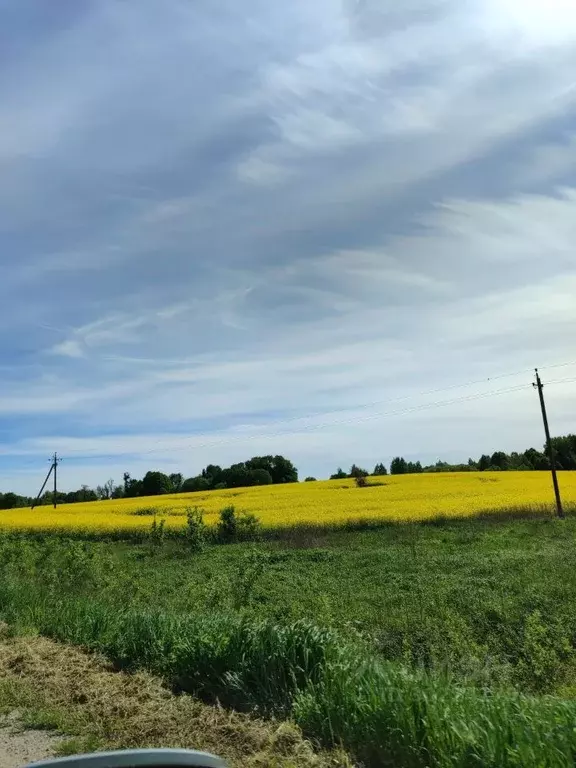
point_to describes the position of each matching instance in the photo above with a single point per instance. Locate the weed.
(157, 532)
(196, 535)
(236, 526)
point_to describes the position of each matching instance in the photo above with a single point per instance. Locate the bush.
(310, 480)
(157, 532)
(145, 512)
(237, 526)
(196, 530)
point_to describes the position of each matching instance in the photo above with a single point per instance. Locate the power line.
(312, 415)
(351, 420)
(315, 427)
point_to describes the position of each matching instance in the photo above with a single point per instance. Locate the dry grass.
(55, 686)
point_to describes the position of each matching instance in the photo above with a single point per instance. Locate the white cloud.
(461, 82)
(371, 351)
(261, 227)
(530, 23)
(68, 348)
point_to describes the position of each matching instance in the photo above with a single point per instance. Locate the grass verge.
(382, 713)
(58, 687)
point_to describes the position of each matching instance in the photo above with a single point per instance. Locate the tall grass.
(339, 693)
(386, 715)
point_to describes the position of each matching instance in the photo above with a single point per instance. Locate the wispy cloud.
(257, 228)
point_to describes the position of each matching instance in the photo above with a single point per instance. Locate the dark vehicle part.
(136, 758)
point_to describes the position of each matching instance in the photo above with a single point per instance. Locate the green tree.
(176, 481)
(83, 494)
(339, 474)
(379, 470)
(259, 477)
(398, 466)
(500, 459)
(413, 467)
(565, 451)
(213, 474)
(107, 490)
(235, 476)
(193, 484)
(536, 459)
(155, 483)
(484, 463)
(132, 487)
(356, 472)
(280, 468)
(10, 500)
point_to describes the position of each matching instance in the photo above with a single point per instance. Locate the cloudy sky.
(231, 228)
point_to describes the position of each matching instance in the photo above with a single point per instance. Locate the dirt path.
(19, 747)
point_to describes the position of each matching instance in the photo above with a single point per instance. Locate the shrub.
(237, 526)
(196, 533)
(310, 480)
(145, 512)
(157, 532)
(246, 577)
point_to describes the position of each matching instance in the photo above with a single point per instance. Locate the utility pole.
(53, 469)
(55, 465)
(549, 447)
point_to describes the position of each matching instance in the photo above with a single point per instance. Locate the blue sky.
(229, 229)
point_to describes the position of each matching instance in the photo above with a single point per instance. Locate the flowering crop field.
(397, 498)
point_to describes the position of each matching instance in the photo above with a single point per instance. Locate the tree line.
(529, 460)
(259, 470)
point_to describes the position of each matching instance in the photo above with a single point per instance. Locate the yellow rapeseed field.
(398, 498)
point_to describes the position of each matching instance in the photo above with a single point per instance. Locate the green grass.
(442, 643)
(481, 600)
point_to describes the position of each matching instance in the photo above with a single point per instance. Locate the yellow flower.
(396, 498)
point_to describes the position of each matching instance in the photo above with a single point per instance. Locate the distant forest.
(531, 459)
(269, 470)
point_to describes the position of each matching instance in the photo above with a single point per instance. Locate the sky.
(338, 230)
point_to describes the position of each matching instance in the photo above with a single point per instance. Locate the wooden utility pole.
(53, 469)
(549, 447)
(55, 465)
